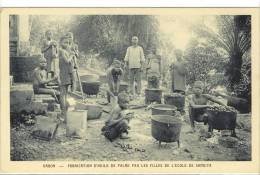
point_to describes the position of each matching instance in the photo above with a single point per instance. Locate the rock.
(45, 128)
(76, 124)
(228, 142)
(94, 112)
(53, 115)
(20, 97)
(176, 152)
(204, 133)
(244, 122)
(54, 107)
(37, 107)
(81, 106)
(186, 150)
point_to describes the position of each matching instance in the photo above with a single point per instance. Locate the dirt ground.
(140, 146)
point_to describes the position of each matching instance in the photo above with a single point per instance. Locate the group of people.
(57, 66)
(117, 124)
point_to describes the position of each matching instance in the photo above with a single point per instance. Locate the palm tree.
(233, 39)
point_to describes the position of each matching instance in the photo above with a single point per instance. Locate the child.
(65, 60)
(200, 100)
(153, 69)
(178, 71)
(50, 52)
(114, 75)
(117, 124)
(40, 80)
(73, 49)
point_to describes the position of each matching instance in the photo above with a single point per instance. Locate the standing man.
(134, 60)
(179, 72)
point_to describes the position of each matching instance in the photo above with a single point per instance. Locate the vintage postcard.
(130, 90)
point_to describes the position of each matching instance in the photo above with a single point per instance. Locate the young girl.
(200, 100)
(117, 124)
(65, 73)
(50, 52)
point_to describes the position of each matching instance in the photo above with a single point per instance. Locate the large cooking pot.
(222, 120)
(162, 109)
(90, 88)
(196, 113)
(89, 78)
(175, 99)
(153, 95)
(166, 128)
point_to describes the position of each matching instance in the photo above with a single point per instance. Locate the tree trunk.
(234, 70)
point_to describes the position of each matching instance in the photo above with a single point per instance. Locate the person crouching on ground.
(40, 80)
(200, 100)
(117, 124)
(114, 75)
(65, 60)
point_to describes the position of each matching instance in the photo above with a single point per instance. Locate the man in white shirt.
(134, 59)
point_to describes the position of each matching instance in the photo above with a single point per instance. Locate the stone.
(81, 106)
(38, 107)
(76, 125)
(244, 122)
(45, 128)
(54, 107)
(20, 97)
(228, 142)
(53, 115)
(94, 112)
(204, 133)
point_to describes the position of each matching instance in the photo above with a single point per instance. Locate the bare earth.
(141, 145)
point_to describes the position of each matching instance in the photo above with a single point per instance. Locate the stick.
(80, 85)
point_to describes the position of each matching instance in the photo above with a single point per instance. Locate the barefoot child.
(40, 80)
(65, 72)
(200, 101)
(50, 52)
(117, 124)
(73, 49)
(114, 75)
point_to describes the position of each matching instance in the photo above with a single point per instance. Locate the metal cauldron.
(162, 109)
(89, 78)
(175, 99)
(222, 120)
(166, 128)
(153, 95)
(90, 88)
(196, 113)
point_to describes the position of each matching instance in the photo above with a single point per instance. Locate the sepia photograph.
(130, 87)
